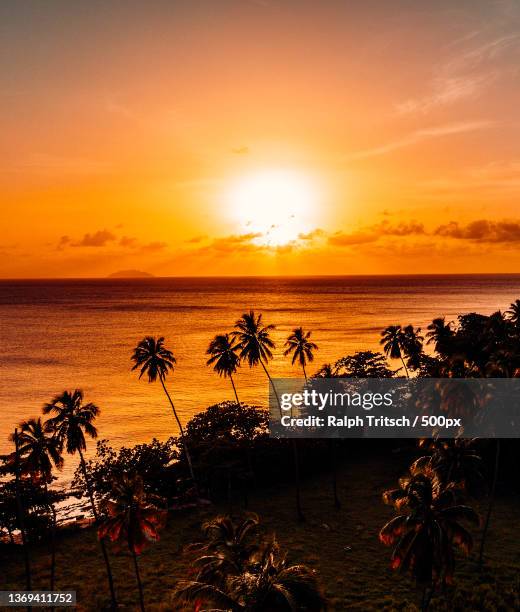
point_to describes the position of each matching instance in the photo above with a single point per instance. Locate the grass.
(341, 544)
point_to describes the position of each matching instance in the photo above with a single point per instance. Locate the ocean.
(67, 334)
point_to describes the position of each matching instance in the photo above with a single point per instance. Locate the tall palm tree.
(39, 453)
(152, 358)
(413, 345)
(224, 358)
(255, 346)
(393, 342)
(301, 348)
(20, 512)
(427, 529)
(71, 421)
(132, 517)
(441, 335)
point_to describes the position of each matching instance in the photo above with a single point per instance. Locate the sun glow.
(277, 204)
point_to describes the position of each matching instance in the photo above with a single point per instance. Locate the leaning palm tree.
(393, 342)
(268, 584)
(39, 453)
(71, 421)
(224, 358)
(301, 348)
(152, 358)
(133, 518)
(255, 346)
(427, 529)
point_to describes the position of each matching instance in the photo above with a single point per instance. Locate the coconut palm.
(269, 584)
(454, 461)
(301, 348)
(441, 335)
(39, 453)
(327, 370)
(224, 357)
(393, 341)
(133, 518)
(427, 529)
(255, 346)
(255, 343)
(513, 314)
(412, 346)
(71, 421)
(152, 358)
(229, 548)
(20, 511)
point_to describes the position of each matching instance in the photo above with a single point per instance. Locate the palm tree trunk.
(179, 425)
(491, 503)
(101, 541)
(234, 388)
(294, 446)
(20, 514)
(53, 536)
(138, 578)
(404, 364)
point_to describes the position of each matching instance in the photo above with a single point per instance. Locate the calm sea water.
(67, 334)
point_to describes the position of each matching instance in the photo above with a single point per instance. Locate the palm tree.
(413, 346)
(514, 314)
(132, 517)
(229, 548)
(327, 370)
(156, 361)
(71, 421)
(427, 529)
(441, 335)
(393, 342)
(268, 584)
(224, 358)
(40, 452)
(255, 344)
(300, 346)
(20, 512)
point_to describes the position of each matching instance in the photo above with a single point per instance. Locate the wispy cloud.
(421, 135)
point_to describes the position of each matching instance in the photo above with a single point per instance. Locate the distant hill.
(130, 274)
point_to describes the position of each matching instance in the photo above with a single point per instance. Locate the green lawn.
(341, 544)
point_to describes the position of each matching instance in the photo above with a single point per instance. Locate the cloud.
(375, 232)
(483, 231)
(310, 236)
(128, 241)
(234, 243)
(97, 239)
(421, 135)
(153, 247)
(196, 239)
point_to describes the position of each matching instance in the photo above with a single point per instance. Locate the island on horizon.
(130, 274)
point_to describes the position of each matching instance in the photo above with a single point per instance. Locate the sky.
(223, 137)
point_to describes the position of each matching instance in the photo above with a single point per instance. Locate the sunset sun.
(278, 204)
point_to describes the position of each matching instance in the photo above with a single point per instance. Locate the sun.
(277, 204)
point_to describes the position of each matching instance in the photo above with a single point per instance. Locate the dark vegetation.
(447, 512)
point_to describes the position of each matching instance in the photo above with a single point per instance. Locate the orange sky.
(128, 126)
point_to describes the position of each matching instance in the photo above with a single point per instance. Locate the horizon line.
(257, 276)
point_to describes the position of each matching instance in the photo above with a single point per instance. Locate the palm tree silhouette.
(427, 530)
(393, 341)
(255, 344)
(39, 453)
(413, 345)
(71, 421)
(300, 346)
(132, 517)
(441, 335)
(513, 314)
(20, 514)
(156, 361)
(224, 357)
